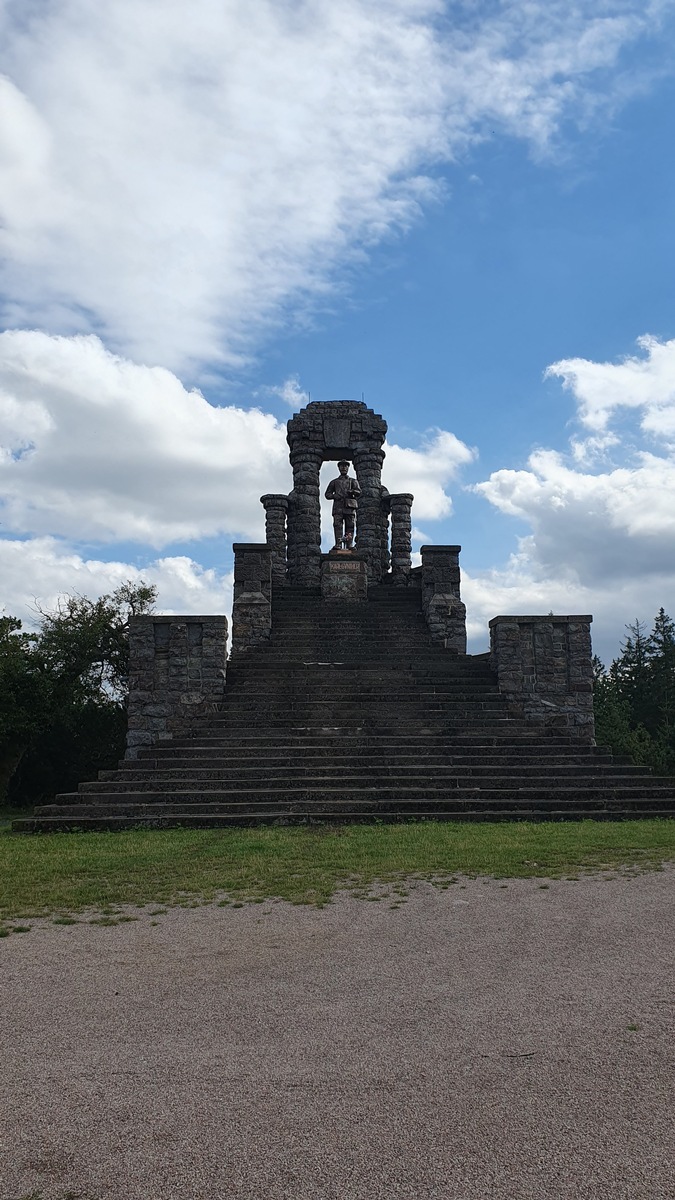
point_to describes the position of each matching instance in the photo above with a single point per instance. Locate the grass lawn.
(65, 873)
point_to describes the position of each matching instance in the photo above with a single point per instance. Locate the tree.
(635, 700)
(63, 692)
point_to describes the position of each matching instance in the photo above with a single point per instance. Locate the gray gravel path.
(474, 1043)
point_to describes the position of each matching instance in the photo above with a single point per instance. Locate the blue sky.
(462, 210)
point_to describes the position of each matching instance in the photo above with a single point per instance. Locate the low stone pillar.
(544, 665)
(401, 537)
(441, 603)
(176, 676)
(252, 608)
(344, 576)
(276, 508)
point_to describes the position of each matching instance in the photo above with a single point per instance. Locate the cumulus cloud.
(603, 515)
(94, 447)
(289, 392)
(427, 471)
(645, 383)
(175, 184)
(520, 586)
(37, 572)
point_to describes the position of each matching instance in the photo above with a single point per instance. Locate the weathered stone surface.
(441, 603)
(344, 576)
(323, 432)
(176, 675)
(252, 608)
(400, 505)
(276, 509)
(543, 663)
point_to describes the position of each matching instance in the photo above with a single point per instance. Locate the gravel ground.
(476, 1042)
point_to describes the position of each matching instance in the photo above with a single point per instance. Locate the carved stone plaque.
(337, 432)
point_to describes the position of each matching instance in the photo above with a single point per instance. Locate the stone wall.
(441, 603)
(176, 675)
(252, 608)
(543, 664)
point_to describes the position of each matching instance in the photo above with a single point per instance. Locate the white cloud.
(93, 447)
(599, 523)
(174, 183)
(646, 384)
(96, 447)
(521, 587)
(427, 471)
(36, 572)
(289, 391)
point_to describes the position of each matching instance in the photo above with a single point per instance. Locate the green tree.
(63, 692)
(635, 700)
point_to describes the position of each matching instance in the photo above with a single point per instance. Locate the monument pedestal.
(344, 576)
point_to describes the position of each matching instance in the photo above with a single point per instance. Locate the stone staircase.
(349, 713)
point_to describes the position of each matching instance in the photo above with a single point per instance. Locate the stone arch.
(326, 431)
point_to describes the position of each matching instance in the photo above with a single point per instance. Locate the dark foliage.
(635, 698)
(63, 693)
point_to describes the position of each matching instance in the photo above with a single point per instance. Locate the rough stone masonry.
(542, 664)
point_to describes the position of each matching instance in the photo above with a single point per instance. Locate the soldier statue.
(344, 492)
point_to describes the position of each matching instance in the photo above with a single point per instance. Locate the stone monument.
(348, 693)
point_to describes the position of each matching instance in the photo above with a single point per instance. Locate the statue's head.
(343, 466)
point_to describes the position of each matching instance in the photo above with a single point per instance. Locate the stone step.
(316, 777)
(225, 740)
(320, 792)
(372, 762)
(370, 758)
(82, 822)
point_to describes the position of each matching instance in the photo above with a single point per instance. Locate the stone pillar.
(252, 608)
(544, 665)
(443, 609)
(304, 517)
(368, 468)
(276, 508)
(401, 530)
(385, 510)
(176, 676)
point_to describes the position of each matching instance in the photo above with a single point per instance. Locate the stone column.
(176, 676)
(443, 609)
(368, 468)
(252, 608)
(276, 508)
(304, 518)
(544, 666)
(401, 530)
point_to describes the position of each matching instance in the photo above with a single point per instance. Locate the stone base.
(344, 576)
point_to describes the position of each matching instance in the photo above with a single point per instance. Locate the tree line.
(63, 694)
(634, 698)
(64, 690)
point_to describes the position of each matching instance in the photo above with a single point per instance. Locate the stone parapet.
(544, 665)
(252, 608)
(441, 603)
(176, 676)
